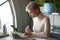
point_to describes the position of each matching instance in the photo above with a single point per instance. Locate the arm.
(46, 31)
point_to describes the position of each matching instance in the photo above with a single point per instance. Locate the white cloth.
(37, 23)
(38, 26)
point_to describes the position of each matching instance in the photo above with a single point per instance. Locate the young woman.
(41, 23)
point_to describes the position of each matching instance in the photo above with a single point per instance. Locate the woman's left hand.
(28, 34)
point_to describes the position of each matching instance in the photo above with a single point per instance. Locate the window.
(5, 14)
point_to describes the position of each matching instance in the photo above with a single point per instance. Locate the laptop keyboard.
(17, 36)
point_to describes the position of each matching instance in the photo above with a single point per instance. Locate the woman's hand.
(28, 31)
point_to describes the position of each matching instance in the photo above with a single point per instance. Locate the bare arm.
(46, 31)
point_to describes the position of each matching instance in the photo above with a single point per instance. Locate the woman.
(41, 23)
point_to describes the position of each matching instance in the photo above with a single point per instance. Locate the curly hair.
(32, 6)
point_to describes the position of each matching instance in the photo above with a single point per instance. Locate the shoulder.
(47, 18)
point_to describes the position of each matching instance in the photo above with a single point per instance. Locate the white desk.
(27, 38)
(6, 38)
(10, 38)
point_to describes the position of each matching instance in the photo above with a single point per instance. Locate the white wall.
(56, 20)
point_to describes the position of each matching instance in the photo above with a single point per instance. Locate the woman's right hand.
(27, 30)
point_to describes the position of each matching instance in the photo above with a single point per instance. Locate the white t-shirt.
(38, 26)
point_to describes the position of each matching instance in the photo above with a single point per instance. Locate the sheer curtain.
(6, 16)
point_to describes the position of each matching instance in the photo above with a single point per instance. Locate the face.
(32, 13)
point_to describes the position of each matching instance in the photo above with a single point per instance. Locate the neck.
(41, 16)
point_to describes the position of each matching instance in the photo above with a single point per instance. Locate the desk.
(6, 38)
(10, 38)
(27, 38)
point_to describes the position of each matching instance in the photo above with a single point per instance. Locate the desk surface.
(27, 38)
(11, 38)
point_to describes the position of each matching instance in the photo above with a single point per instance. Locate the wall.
(22, 17)
(56, 20)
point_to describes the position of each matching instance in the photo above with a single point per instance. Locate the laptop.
(19, 36)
